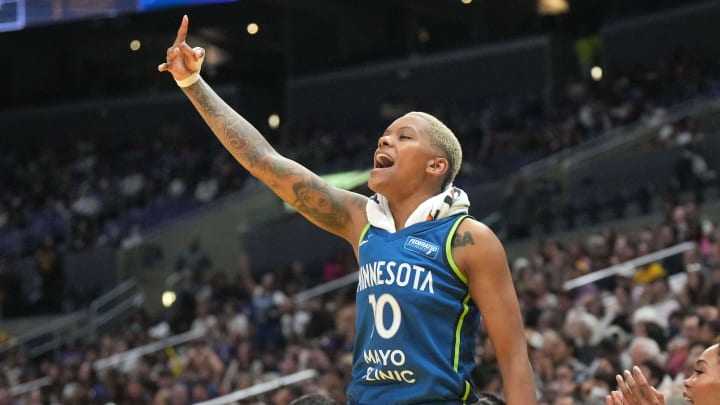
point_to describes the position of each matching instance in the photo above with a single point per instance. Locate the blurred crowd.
(80, 193)
(656, 314)
(544, 205)
(97, 191)
(659, 315)
(61, 199)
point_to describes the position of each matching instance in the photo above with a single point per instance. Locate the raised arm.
(332, 209)
(480, 255)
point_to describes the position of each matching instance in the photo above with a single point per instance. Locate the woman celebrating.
(701, 388)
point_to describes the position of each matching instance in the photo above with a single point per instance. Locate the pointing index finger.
(182, 31)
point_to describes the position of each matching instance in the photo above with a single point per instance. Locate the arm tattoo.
(236, 133)
(462, 240)
(312, 197)
(316, 201)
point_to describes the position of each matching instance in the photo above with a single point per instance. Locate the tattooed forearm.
(328, 207)
(316, 200)
(463, 239)
(237, 135)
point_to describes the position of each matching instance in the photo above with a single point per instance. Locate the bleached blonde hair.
(444, 139)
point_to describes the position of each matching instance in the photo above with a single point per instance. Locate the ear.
(437, 166)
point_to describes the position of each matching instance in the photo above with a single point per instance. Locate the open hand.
(634, 389)
(181, 60)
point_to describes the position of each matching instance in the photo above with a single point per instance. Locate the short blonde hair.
(444, 139)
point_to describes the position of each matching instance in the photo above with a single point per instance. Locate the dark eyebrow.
(698, 361)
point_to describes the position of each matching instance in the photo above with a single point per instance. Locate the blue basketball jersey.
(416, 323)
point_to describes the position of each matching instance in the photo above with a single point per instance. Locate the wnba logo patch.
(422, 246)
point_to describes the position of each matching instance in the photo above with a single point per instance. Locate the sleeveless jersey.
(416, 324)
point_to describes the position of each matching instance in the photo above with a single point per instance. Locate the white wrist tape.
(188, 81)
(195, 75)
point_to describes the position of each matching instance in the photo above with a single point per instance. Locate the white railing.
(616, 137)
(641, 130)
(181, 338)
(121, 289)
(24, 388)
(324, 288)
(48, 337)
(628, 268)
(52, 329)
(262, 388)
(153, 347)
(114, 303)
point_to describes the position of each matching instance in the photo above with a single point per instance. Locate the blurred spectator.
(254, 332)
(333, 268)
(313, 399)
(486, 398)
(204, 319)
(133, 239)
(193, 259)
(642, 349)
(206, 190)
(516, 205)
(693, 172)
(11, 295)
(48, 264)
(658, 296)
(86, 204)
(691, 326)
(180, 394)
(268, 301)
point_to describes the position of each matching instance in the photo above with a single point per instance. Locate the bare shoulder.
(475, 247)
(471, 233)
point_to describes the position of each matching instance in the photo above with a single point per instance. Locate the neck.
(402, 208)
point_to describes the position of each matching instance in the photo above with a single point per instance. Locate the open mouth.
(383, 161)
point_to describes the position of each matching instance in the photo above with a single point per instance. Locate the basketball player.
(427, 270)
(702, 387)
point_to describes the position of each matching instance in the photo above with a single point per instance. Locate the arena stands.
(639, 209)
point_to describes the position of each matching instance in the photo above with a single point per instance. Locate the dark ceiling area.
(92, 58)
